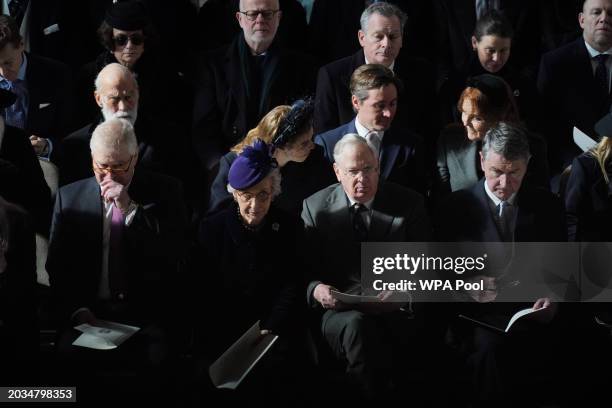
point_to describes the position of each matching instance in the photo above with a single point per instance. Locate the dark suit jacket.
(33, 193)
(588, 202)
(18, 297)
(416, 102)
(51, 98)
(221, 106)
(402, 154)
(458, 162)
(398, 215)
(540, 217)
(298, 181)
(569, 91)
(153, 246)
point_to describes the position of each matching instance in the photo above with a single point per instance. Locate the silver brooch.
(275, 226)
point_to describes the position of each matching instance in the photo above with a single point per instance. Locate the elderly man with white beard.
(160, 147)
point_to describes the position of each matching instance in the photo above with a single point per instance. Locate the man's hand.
(112, 191)
(40, 145)
(322, 294)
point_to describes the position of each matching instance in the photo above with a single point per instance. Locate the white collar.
(390, 66)
(367, 204)
(363, 131)
(593, 52)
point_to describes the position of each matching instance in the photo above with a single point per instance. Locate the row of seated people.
(228, 100)
(117, 239)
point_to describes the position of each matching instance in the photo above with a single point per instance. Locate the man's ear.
(482, 164)
(361, 37)
(337, 171)
(355, 103)
(98, 98)
(581, 19)
(474, 43)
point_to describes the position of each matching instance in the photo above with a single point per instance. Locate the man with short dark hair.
(374, 99)
(381, 40)
(44, 105)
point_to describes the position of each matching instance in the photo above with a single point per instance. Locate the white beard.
(129, 116)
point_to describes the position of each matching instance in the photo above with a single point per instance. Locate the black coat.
(570, 94)
(221, 108)
(588, 202)
(298, 181)
(249, 275)
(416, 102)
(32, 191)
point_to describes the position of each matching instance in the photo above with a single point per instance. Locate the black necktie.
(17, 9)
(601, 74)
(360, 229)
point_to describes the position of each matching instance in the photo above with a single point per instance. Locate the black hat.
(493, 87)
(251, 166)
(7, 98)
(604, 126)
(127, 16)
(296, 119)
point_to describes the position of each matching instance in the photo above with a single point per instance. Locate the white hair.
(114, 134)
(351, 139)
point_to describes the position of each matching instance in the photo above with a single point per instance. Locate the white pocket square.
(51, 29)
(44, 105)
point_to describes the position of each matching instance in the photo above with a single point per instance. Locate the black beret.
(493, 87)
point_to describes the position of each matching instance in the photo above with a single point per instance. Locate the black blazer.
(154, 245)
(588, 202)
(540, 217)
(33, 193)
(569, 91)
(51, 98)
(402, 153)
(220, 117)
(416, 102)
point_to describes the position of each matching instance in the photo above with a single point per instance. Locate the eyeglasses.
(261, 196)
(265, 14)
(103, 169)
(121, 40)
(366, 172)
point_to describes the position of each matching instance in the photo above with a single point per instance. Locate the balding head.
(113, 146)
(116, 93)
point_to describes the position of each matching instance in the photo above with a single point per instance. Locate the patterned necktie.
(116, 277)
(360, 229)
(503, 219)
(601, 74)
(15, 114)
(373, 138)
(17, 10)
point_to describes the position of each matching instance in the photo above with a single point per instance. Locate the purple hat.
(251, 166)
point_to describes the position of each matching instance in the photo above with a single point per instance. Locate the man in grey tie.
(374, 95)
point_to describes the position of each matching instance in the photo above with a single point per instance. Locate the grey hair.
(114, 134)
(351, 139)
(508, 140)
(110, 68)
(276, 183)
(384, 9)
